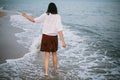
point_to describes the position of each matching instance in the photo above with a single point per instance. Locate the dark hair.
(52, 9)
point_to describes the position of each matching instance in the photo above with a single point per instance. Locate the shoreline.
(9, 47)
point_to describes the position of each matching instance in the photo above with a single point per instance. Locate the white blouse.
(51, 23)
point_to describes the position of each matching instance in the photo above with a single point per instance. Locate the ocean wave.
(83, 29)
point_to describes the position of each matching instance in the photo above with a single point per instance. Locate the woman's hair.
(52, 9)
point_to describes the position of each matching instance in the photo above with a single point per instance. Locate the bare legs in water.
(46, 61)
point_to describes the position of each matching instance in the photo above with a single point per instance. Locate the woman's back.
(52, 24)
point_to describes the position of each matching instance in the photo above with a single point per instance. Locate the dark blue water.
(92, 34)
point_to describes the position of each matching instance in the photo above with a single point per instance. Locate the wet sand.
(2, 14)
(9, 47)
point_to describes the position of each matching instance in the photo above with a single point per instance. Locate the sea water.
(91, 32)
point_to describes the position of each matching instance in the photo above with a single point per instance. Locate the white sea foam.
(72, 54)
(30, 30)
(28, 39)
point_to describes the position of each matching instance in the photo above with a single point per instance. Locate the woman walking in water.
(52, 27)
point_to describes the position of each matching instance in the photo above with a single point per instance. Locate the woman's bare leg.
(46, 62)
(55, 60)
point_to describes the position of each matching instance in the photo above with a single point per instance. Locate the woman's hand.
(24, 14)
(63, 44)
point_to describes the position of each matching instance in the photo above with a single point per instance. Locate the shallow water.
(91, 33)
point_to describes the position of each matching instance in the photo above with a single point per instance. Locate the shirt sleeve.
(59, 26)
(40, 19)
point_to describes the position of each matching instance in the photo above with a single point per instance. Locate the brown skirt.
(49, 43)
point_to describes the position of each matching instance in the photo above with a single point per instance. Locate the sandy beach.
(9, 47)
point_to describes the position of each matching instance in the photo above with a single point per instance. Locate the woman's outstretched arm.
(28, 17)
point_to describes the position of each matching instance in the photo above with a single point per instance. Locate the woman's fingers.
(23, 14)
(64, 45)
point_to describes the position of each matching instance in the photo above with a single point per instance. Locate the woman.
(52, 27)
